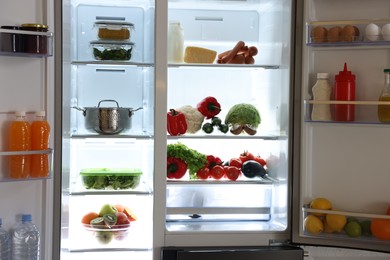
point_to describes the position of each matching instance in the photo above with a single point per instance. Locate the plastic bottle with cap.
(5, 243)
(25, 240)
(19, 140)
(40, 132)
(322, 91)
(344, 90)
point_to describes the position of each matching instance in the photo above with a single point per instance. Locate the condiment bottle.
(322, 91)
(344, 90)
(384, 110)
(40, 132)
(175, 42)
(19, 140)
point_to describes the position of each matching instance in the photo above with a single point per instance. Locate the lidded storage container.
(113, 30)
(110, 178)
(112, 50)
(35, 43)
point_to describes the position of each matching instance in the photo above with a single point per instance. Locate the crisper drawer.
(214, 201)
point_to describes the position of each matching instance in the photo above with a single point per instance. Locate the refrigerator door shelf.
(366, 112)
(4, 164)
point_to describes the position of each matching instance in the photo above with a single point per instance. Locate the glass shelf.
(26, 43)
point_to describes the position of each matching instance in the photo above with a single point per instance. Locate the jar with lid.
(175, 42)
(384, 110)
(322, 91)
(35, 43)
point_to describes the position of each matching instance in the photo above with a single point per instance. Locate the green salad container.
(110, 178)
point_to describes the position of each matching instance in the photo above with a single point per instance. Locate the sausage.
(238, 59)
(252, 51)
(249, 59)
(233, 52)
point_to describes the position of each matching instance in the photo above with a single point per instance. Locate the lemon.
(322, 204)
(336, 222)
(353, 229)
(327, 229)
(313, 224)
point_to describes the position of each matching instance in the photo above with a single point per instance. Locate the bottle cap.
(345, 75)
(40, 113)
(26, 217)
(20, 113)
(322, 75)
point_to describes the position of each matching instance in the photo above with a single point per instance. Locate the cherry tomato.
(246, 156)
(235, 162)
(203, 173)
(217, 172)
(232, 173)
(260, 160)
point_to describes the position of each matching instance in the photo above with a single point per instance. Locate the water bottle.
(25, 240)
(5, 243)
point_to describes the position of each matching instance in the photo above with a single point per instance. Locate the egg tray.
(339, 33)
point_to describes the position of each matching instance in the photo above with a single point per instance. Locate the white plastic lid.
(40, 113)
(322, 75)
(20, 113)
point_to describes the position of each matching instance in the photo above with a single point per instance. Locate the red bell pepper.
(176, 168)
(209, 107)
(176, 123)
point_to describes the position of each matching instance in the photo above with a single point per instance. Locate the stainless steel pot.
(107, 120)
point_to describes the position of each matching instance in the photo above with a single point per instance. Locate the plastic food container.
(110, 178)
(35, 43)
(111, 30)
(105, 235)
(11, 41)
(112, 50)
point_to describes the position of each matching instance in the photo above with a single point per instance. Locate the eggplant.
(251, 169)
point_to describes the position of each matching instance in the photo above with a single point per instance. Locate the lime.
(353, 229)
(366, 227)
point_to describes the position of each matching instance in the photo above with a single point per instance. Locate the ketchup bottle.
(344, 90)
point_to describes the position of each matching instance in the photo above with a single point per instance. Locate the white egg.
(386, 32)
(372, 32)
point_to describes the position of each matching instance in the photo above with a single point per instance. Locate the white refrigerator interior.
(27, 85)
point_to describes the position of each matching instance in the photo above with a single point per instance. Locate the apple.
(107, 209)
(119, 207)
(104, 237)
(122, 219)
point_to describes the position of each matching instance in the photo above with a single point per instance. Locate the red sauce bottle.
(344, 90)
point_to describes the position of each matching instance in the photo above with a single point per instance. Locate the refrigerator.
(344, 162)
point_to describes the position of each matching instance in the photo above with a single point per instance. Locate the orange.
(336, 222)
(380, 228)
(86, 219)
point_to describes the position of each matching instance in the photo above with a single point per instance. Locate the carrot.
(233, 52)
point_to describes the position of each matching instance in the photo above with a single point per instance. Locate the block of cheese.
(194, 54)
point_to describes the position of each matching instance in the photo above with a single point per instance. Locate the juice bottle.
(40, 132)
(384, 110)
(344, 90)
(19, 140)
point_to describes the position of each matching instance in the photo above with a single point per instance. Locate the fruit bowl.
(105, 234)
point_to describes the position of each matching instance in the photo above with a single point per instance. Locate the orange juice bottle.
(19, 140)
(40, 133)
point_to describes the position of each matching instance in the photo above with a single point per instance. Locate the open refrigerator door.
(343, 158)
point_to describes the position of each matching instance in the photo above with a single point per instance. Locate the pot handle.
(131, 111)
(84, 110)
(109, 100)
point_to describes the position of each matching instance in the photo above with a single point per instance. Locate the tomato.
(212, 161)
(246, 156)
(380, 228)
(217, 172)
(203, 173)
(235, 162)
(232, 173)
(260, 160)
